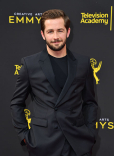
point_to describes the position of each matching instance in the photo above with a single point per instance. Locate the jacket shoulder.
(82, 59)
(83, 63)
(31, 61)
(32, 57)
(80, 56)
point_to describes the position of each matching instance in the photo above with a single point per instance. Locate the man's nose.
(56, 35)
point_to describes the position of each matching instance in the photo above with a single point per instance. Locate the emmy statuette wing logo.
(27, 114)
(95, 69)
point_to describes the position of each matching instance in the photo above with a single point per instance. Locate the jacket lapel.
(71, 75)
(48, 71)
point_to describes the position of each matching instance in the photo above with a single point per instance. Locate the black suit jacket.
(71, 115)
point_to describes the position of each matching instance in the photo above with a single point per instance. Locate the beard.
(56, 48)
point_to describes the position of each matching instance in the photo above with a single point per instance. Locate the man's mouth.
(56, 42)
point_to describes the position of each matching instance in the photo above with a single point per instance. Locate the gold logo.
(16, 19)
(94, 18)
(97, 18)
(103, 122)
(95, 69)
(17, 68)
(27, 113)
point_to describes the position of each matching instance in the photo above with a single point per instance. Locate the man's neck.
(57, 54)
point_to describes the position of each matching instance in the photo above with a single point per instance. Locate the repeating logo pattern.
(27, 114)
(97, 18)
(93, 65)
(25, 18)
(17, 69)
(95, 69)
(94, 18)
(102, 123)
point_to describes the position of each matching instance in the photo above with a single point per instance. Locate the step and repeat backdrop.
(92, 34)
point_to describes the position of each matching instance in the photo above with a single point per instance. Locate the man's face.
(55, 34)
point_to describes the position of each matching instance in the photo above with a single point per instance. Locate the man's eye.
(50, 31)
(60, 30)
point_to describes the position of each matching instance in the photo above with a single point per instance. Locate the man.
(60, 83)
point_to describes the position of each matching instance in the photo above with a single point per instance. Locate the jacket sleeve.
(22, 89)
(90, 105)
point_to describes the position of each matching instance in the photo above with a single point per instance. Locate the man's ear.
(42, 34)
(68, 32)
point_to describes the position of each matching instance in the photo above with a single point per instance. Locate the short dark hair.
(53, 14)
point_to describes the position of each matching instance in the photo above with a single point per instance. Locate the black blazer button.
(46, 91)
(56, 108)
(56, 127)
(73, 124)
